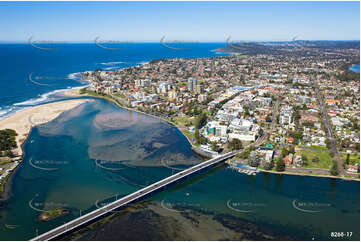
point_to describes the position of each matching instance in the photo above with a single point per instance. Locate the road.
(328, 129)
(309, 170)
(267, 132)
(90, 217)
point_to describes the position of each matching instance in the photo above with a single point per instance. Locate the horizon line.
(109, 42)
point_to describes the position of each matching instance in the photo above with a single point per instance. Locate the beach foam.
(112, 63)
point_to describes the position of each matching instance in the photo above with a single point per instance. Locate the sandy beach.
(74, 92)
(24, 120)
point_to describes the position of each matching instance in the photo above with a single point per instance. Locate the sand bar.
(24, 120)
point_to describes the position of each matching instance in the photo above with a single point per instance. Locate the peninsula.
(294, 110)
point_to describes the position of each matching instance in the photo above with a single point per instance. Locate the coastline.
(352, 67)
(76, 93)
(23, 122)
(309, 174)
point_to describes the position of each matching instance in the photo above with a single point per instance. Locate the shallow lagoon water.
(74, 163)
(98, 152)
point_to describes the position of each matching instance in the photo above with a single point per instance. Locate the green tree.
(334, 169)
(348, 159)
(9, 153)
(280, 165)
(196, 135)
(284, 152)
(201, 120)
(304, 159)
(214, 146)
(328, 144)
(7, 139)
(253, 159)
(244, 154)
(315, 160)
(235, 144)
(268, 165)
(246, 112)
(268, 119)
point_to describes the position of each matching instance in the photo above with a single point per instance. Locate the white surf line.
(237, 210)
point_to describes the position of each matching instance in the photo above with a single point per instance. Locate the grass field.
(184, 120)
(188, 134)
(119, 95)
(354, 158)
(325, 160)
(4, 160)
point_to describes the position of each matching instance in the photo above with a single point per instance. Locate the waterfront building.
(216, 129)
(243, 135)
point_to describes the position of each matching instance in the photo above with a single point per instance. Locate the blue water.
(53, 69)
(85, 156)
(355, 68)
(97, 152)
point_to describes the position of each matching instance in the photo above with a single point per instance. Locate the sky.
(179, 21)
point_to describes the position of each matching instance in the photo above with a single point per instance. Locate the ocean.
(98, 152)
(31, 76)
(355, 68)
